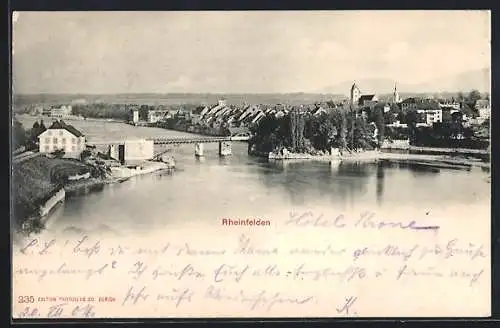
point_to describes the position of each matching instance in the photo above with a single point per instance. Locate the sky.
(240, 52)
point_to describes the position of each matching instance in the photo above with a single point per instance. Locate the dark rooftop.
(62, 125)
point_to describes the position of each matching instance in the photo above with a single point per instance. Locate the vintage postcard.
(251, 164)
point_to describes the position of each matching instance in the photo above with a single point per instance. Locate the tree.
(19, 137)
(447, 117)
(456, 117)
(412, 120)
(379, 120)
(342, 128)
(322, 131)
(265, 134)
(473, 96)
(85, 154)
(42, 127)
(469, 110)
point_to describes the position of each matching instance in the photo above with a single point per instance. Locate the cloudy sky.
(120, 52)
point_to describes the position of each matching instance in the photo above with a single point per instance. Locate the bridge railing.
(160, 140)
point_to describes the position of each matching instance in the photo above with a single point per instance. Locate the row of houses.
(224, 115)
(230, 116)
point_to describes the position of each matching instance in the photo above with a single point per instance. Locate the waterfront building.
(205, 110)
(258, 117)
(135, 116)
(132, 151)
(36, 110)
(197, 114)
(62, 136)
(61, 112)
(46, 111)
(156, 115)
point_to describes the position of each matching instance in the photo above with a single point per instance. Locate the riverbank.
(37, 180)
(441, 160)
(434, 160)
(120, 173)
(438, 150)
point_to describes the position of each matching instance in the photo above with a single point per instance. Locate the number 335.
(26, 299)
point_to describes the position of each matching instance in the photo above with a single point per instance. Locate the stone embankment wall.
(58, 197)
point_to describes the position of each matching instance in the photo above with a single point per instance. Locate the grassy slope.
(33, 181)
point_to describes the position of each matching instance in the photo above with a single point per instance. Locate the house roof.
(198, 110)
(366, 97)
(409, 101)
(62, 125)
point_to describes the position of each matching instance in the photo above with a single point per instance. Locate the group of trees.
(19, 135)
(471, 98)
(339, 128)
(23, 138)
(103, 110)
(122, 111)
(449, 135)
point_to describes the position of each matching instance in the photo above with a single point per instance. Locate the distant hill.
(465, 82)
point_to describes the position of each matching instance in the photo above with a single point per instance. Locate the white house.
(61, 136)
(156, 115)
(135, 116)
(432, 115)
(137, 151)
(450, 104)
(484, 109)
(62, 111)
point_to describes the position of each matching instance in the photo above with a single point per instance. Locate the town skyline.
(235, 53)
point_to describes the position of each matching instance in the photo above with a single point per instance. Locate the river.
(200, 192)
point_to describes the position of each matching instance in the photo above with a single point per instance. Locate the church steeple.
(355, 94)
(395, 95)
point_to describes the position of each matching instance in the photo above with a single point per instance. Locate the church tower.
(395, 96)
(355, 94)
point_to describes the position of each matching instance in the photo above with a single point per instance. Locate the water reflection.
(380, 182)
(225, 160)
